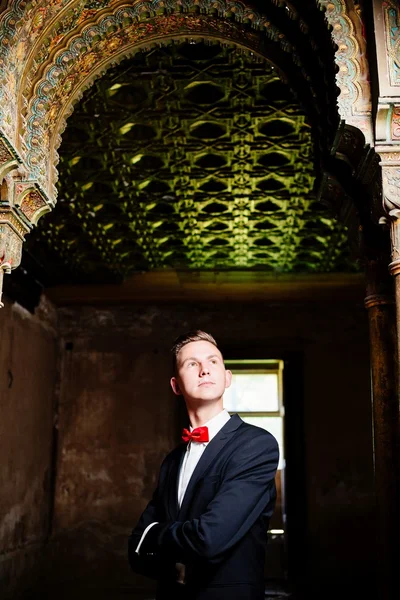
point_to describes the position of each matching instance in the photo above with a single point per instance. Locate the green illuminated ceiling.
(187, 157)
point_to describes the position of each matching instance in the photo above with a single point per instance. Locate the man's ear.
(175, 386)
(228, 378)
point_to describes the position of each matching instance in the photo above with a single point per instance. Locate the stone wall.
(28, 355)
(118, 418)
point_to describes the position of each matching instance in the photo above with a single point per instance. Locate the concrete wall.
(28, 351)
(118, 418)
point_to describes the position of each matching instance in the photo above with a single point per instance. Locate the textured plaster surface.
(27, 380)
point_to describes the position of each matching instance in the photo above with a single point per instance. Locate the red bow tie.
(200, 434)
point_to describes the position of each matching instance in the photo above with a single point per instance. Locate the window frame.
(255, 367)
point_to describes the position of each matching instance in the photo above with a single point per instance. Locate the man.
(203, 534)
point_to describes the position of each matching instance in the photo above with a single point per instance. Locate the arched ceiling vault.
(58, 59)
(191, 156)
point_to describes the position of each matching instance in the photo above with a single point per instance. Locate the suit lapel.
(172, 486)
(212, 450)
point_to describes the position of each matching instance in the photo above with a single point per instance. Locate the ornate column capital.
(22, 203)
(12, 231)
(390, 163)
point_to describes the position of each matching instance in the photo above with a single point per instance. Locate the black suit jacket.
(220, 531)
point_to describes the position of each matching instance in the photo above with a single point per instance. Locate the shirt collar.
(216, 423)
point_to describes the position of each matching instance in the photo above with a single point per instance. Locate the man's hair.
(196, 335)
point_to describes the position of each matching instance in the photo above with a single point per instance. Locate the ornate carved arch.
(67, 47)
(354, 102)
(102, 44)
(50, 52)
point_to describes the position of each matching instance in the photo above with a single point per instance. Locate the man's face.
(201, 374)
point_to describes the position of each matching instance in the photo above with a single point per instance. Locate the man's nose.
(204, 370)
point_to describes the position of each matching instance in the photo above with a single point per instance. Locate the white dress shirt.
(192, 456)
(195, 450)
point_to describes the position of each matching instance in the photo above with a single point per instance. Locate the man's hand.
(180, 573)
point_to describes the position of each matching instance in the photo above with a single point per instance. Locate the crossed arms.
(245, 492)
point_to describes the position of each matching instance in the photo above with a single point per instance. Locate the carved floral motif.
(5, 154)
(32, 204)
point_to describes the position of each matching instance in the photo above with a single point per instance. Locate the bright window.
(256, 396)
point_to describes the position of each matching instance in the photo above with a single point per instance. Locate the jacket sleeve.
(246, 492)
(146, 562)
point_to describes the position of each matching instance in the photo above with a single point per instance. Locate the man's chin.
(208, 393)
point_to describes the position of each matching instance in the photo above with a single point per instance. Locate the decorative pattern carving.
(354, 101)
(5, 154)
(50, 52)
(10, 246)
(387, 27)
(120, 34)
(391, 204)
(34, 205)
(139, 13)
(9, 217)
(21, 27)
(8, 157)
(22, 192)
(394, 266)
(41, 30)
(390, 157)
(29, 23)
(211, 168)
(391, 191)
(391, 11)
(396, 122)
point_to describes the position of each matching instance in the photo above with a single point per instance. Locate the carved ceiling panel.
(192, 156)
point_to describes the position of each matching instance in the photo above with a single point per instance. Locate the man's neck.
(200, 415)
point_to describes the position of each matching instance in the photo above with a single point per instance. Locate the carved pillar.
(12, 232)
(387, 145)
(4, 268)
(391, 202)
(386, 387)
(380, 304)
(22, 203)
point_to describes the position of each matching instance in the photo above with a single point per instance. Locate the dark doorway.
(286, 553)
